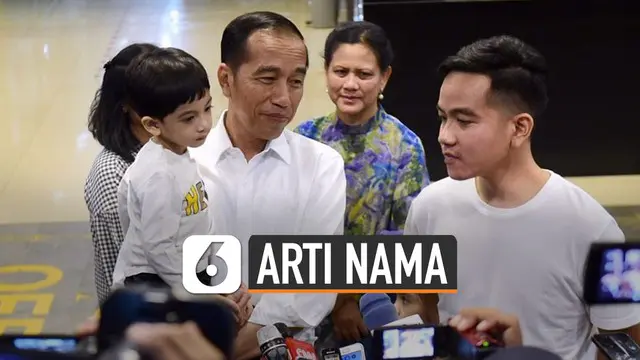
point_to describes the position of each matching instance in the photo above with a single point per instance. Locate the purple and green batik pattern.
(385, 166)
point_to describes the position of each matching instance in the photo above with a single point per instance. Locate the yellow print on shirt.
(196, 199)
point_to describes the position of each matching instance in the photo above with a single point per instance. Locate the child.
(408, 304)
(424, 305)
(162, 199)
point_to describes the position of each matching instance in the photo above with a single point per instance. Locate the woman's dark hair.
(360, 32)
(109, 124)
(158, 82)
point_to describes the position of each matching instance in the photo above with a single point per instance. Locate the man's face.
(266, 89)
(475, 135)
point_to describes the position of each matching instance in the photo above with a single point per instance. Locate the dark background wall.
(592, 125)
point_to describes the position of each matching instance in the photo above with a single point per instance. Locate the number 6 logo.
(229, 250)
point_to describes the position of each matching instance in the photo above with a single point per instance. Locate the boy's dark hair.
(108, 122)
(517, 71)
(158, 82)
(233, 47)
(360, 32)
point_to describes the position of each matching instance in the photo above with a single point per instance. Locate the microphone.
(298, 350)
(272, 344)
(377, 310)
(283, 329)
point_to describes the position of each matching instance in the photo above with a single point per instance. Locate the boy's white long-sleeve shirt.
(161, 201)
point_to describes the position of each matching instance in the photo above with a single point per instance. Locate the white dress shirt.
(296, 186)
(161, 201)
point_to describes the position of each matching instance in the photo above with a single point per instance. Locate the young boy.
(408, 305)
(162, 199)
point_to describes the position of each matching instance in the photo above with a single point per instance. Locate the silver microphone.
(272, 345)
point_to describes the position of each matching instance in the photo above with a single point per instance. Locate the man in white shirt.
(523, 232)
(262, 178)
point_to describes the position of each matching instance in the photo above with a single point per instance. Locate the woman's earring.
(326, 90)
(380, 96)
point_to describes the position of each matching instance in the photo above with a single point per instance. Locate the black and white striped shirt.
(100, 194)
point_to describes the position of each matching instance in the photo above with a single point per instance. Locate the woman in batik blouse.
(384, 160)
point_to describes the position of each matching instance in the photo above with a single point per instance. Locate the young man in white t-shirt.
(162, 198)
(523, 232)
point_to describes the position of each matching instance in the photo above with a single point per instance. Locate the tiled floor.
(48, 270)
(51, 56)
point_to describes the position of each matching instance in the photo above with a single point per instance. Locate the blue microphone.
(377, 310)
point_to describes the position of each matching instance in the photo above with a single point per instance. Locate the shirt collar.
(374, 121)
(220, 142)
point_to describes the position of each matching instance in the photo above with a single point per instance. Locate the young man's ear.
(151, 125)
(225, 79)
(522, 128)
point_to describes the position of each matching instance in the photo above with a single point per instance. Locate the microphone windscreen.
(377, 310)
(523, 353)
(268, 333)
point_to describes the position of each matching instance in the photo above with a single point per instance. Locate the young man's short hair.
(517, 71)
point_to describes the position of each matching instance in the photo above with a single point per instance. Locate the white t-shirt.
(161, 201)
(528, 260)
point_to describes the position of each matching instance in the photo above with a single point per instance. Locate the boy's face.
(187, 126)
(408, 304)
